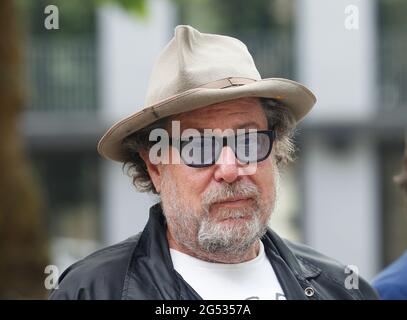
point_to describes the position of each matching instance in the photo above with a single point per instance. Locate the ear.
(154, 170)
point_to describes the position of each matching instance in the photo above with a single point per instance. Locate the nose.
(227, 166)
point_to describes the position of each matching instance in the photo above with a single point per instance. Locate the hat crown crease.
(193, 59)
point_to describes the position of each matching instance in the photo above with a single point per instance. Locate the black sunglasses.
(203, 151)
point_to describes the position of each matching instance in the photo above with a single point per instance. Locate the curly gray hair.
(278, 117)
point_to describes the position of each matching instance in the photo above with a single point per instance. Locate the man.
(209, 142)
(391, 283)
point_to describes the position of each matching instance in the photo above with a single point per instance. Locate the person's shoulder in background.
(391, 283)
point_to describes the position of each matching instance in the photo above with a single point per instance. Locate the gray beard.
(201, 232)
(230, 239)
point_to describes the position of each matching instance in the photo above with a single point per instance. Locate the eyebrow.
(245, 125)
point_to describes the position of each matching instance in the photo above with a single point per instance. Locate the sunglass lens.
(253, 146)
(199, 151)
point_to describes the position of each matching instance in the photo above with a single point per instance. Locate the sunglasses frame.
(271, 134)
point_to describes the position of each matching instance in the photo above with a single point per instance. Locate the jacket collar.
(292, 273)
(150, 269)
(302, 269)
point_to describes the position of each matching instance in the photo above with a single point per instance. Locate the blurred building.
(338, 197)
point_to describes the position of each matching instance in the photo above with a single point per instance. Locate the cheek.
(266, 178)
(191, 182)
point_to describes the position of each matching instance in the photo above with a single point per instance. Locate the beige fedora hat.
(198, 69)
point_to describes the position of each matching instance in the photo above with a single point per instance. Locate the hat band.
(227, 82)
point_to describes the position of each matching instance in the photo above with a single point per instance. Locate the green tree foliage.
(236, 16)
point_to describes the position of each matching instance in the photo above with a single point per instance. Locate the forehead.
(238, 113)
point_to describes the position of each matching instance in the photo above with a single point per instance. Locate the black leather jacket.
(141, 268)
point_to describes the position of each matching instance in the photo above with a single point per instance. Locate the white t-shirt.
(253, 279)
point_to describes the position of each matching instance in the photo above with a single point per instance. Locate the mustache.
(228, 191)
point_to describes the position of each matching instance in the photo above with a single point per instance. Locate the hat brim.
(296, 97)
